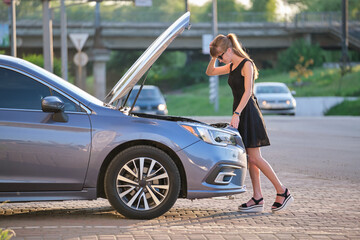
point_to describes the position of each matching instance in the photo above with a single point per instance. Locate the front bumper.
(214, 170)
(278, 111)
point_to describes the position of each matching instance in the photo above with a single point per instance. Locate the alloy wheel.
(142, 183)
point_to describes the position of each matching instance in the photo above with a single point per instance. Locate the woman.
(247, 117)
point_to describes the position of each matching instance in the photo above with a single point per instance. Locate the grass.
(194, 100)
(6, 234)
(346, 108)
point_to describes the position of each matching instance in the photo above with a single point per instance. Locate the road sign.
(79, 39)
(81, 59)
(4, 35)
(206, 40)
(143, 3)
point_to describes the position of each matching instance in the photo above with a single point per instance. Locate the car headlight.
(212, 136)
(161, 107)
(291, 102)
(136, 108)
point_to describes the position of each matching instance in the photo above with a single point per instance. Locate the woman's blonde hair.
(221, 43)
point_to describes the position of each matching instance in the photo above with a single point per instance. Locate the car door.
(36, 152)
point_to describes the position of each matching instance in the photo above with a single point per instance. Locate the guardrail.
(138, 15)
(325, 19)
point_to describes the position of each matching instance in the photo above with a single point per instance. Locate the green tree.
(228, 10)
(267, 7)
(39, 61)
(119, 63)
(302, 70)
(300, 49)
(327, 6)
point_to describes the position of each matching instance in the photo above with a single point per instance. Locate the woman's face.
(224, 56)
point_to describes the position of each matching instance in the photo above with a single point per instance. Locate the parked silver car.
(150, 100)
(59, 143)
(275, 98)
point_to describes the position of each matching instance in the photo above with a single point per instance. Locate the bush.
(173, 69)
(300, 49)
(38, 60)
(6, 234)
(346, 108)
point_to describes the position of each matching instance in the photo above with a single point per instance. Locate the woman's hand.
(235, 120)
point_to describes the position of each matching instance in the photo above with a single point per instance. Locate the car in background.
(275, 98)
(150, 100)
(58, 142)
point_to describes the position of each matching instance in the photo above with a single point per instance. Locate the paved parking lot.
(326, 203)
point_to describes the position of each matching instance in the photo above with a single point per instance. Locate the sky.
(282, 8)
(201, 2)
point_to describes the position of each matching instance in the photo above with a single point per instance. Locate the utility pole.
(64, 48)
(12, 20)
(214, 80)
(344, 35)
(47, 37)
(345, 64)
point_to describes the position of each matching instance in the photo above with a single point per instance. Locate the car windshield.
(145, 94)
(271, 89)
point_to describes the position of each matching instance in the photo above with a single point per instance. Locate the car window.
(152, 93)
(19, 91)
(69, 105)
(271, 89)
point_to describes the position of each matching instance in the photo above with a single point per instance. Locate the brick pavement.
(323, 209)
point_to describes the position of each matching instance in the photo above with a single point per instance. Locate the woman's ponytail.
(238, 50)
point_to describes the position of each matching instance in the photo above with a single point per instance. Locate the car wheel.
(142, 182)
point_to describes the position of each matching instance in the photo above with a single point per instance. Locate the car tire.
(142, 182)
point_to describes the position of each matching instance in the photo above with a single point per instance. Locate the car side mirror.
(293, 92)
(55, 105)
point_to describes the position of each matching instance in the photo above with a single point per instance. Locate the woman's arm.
(247, 72)
(213, 71)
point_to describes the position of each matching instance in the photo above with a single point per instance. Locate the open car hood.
(145, 61)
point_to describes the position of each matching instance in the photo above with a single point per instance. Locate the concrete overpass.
(263, 39)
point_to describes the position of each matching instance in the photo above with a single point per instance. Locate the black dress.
(252, 127)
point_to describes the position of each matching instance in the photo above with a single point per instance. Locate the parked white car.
(275, 98)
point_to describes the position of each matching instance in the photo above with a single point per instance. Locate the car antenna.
(142, 84)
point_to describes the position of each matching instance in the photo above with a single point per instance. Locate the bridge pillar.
(99, 56)
(307, 38)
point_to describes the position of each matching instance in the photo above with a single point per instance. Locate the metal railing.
(142, 15)
(325, 19)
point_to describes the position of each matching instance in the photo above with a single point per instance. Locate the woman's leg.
(255, 158)
(256, 184)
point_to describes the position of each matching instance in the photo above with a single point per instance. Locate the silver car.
(59, 143)
(150, 100)
(275, 98)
